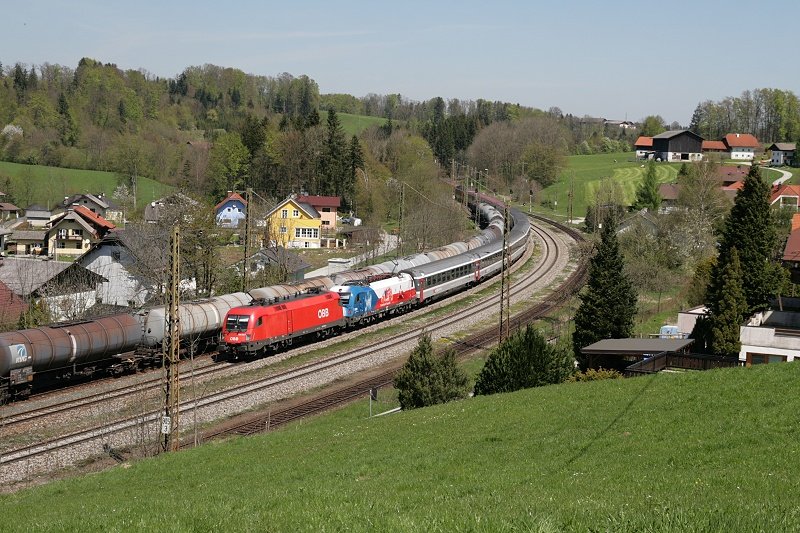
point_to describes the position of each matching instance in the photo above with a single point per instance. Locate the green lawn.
(355, 124)
(49, 185)
(590, 171)
(703, 451)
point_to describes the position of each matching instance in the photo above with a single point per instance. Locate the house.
(678, 145)
(67, 289)
(642, 220)
(95, 203)
(72, 232)
(714, 147)
(782, 154)
(742, 146)
(771, 336)
(294, 224)
(326, 206)
(169, 207)
(8, 211)
(230, 211)
(791, 250)
(643, 147)
(785, 196)
(669, 193)
(37, 216)
(112, 258)
(26, 242)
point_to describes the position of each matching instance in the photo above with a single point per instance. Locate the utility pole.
(505, 285)
(171, 349)
(571, 195)
(400, 221)
(247, 217)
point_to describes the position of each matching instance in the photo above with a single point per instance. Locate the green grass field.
(51, 184)
(588, 173)
(355, 124)
(703, 451)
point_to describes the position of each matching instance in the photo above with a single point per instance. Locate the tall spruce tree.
(647, 193)
(355, 161)
(608, 305)
(749, 229)
(522, 361)
(334, 158)
(729, 310)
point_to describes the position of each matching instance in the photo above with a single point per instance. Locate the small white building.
(770, 337)
(742, 146)
(782, 154)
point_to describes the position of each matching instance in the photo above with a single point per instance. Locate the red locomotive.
(254, 328)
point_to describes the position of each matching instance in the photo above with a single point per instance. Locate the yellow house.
(294, 224)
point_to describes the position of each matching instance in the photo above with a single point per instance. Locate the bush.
(595, 375)
(522, 361)
(427, 379)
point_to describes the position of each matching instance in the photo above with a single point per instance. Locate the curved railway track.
(550, 252)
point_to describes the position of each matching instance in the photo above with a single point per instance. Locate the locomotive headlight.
(247, 336)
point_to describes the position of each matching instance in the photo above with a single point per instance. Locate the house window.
(62, 234)
(61, 245)
(326, 209)
(283, 229)
(326, 222)
(78, 245)
(78, 232)
(295, 213)
(764, 358)
(306, 233)
(115, 255)
(284, 213)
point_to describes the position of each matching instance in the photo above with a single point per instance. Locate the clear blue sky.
(613, 59)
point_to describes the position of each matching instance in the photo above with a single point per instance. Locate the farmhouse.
(678, 145)
(782, 153)
(742, 146)
(644, 147)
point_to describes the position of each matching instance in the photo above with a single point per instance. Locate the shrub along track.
(80, 444)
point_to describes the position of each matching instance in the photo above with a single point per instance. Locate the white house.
(742, 146)
(770, 337)
(782, 154)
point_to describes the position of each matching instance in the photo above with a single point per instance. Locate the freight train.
(130, 341)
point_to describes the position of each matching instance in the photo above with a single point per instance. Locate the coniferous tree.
(427, 379)
(749, 229)
(522, 361)
(334, 167)
(729, 310)
(355, 161)
(608, 305)
(647, 193)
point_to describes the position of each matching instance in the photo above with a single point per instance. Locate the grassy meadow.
(702, 451)
(355, 124)
(49, 185)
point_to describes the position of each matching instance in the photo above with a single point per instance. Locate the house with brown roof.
(742, 146)
(96, 203)
(26, 242)
(8, 211)
(326, 206)
(231, 210)
(643, 147)
(11, 305)
(714, 147)
(74, 231)
(782, 154)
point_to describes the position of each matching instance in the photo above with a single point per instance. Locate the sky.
(612, 59)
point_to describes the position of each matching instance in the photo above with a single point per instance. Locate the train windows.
(260, 321)
(237, 322)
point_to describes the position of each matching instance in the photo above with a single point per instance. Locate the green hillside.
(49, 185)
(590, 171)
(712, 451)
(355, 124)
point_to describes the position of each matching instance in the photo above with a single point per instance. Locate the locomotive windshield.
(237, 322)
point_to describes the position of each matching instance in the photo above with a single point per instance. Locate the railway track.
(551, 250)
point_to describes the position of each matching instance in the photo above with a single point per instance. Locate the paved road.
(388, 243)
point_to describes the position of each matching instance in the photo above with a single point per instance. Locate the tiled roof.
(231, 196)
(741, 140)
(783, 147)
(643, 142)
(93, 218)
(714, 145)
(791, 252)
(5, 206)
(321, 201)
(28, 235)
(669, 191)
(11, 305)
(784, 190)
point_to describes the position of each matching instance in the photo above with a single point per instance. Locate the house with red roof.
(714, 147)
(73, 232)
(326, 206)
(231, 210)
(785, 196)
(742, 146)
(643, 147)
(11, 305)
